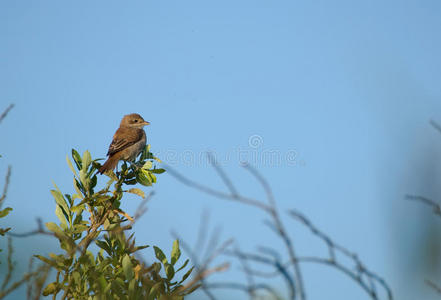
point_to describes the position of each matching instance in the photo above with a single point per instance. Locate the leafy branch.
(89, 217)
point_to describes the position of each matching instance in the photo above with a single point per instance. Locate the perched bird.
(129, 140)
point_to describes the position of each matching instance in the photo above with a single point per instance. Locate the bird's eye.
(136, 121)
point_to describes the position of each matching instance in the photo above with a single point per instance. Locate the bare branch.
(435, 206)
(263, 182)
(40, 230)
(280, 230)
(10, 265)
(300, 217)
(222, 174)
(243, 287)
(248, 273)
(6, 186)
(203, 267)
(139, 212)
(215, 193)
(360, 274)
(5, 113)
(268, 208)
(435, 125)
(433, 285)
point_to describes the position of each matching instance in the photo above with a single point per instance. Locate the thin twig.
(6, 111)
(202, 235)
(433, 285)
(280, 229)
(269, 208)
(435, 206)
(40, 230)
(248, 273)
(10, 265)
(222, 174)
(203, 268)
(16, 284)
(6, 186)
(334, 247)
(435, 125)
(243, 287)
(215, 193)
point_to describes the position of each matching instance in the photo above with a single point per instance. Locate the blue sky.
(341, 91)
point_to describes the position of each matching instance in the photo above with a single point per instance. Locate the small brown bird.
(129, 140)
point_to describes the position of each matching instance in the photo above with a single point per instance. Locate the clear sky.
(341, 91)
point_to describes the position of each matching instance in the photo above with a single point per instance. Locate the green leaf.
(106, 224)
(61, 202)
(127, 267)
(93, 182)
(4, 212)
(78, 187)
(87, 159)
(186, 274)
(51, 288)
(142, 176)
(137, 248)
(54, 228)
(132, 286)
(118, 288)
(47, 260)
(155, 291)
(176, 252)
(160, 255)
(93, 168)
(77, 159)
(3, 231)
(66, 242)
(59, 213)
(137, 192)
(84, 179)
(69, 163)
(105, 246)
(183, 266)
(144, 153)
(76, 277)
(148, 165)
(152, 177)
(69, 199)
(104, 285)
(169, 271)
(79, 228)
(59, 199)
(158, 171)
(78, 208)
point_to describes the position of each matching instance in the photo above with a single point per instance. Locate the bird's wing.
(123, 138)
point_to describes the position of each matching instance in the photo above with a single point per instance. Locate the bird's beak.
(146, 123)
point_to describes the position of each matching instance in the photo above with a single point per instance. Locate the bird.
(128, 141)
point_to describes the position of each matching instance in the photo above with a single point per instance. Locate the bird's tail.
(109, 165)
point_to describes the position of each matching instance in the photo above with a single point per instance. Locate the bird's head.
(133, 120)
